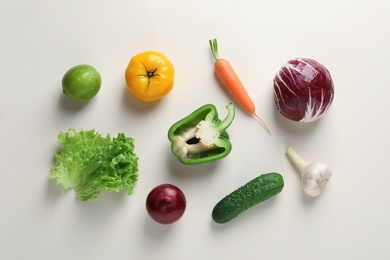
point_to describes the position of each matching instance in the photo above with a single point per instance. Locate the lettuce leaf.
(90, 163)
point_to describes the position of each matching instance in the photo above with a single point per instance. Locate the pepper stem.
(227, 121)
(296, 158)
(209, 130)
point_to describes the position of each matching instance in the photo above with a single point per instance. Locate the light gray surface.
(41, 40)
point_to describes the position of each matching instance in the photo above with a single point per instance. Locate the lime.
(81, 83)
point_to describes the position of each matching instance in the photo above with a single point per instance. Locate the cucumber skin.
(255, 191)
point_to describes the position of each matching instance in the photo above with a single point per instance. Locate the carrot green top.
(214, 48)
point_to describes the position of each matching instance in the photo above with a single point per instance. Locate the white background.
(41, 39)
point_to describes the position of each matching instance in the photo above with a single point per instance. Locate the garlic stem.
(298, 161)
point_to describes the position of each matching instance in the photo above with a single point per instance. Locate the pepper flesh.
(201, 136)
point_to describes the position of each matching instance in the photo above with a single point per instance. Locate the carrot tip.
(263, 123)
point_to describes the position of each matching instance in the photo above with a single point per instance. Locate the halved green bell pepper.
(201, 136)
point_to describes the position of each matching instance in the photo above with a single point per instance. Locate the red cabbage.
(303, 90)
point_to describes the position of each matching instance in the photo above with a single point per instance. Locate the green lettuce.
(90, 163)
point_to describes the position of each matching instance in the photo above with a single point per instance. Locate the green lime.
(81, 83)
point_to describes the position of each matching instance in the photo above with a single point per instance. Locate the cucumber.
(255, 191)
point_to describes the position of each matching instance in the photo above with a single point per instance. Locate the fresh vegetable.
(201, 136)
(314, 176)
(232, 82)
(81, 83)
(149, 76)
(255, 191)
(303, 90)
(91, 163)
(166, 204)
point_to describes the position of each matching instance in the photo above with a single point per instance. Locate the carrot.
(232, 82)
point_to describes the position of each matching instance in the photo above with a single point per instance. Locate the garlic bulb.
(314, 176)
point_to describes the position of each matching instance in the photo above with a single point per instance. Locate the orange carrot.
(232, 82)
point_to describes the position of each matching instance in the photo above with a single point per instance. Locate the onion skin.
(303, 90)
(166, 204)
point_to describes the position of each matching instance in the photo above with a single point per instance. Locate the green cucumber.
(255, 191)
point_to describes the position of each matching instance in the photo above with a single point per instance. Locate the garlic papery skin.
(314, 176)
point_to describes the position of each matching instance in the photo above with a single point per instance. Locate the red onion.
(166, 204)
(303, 90)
